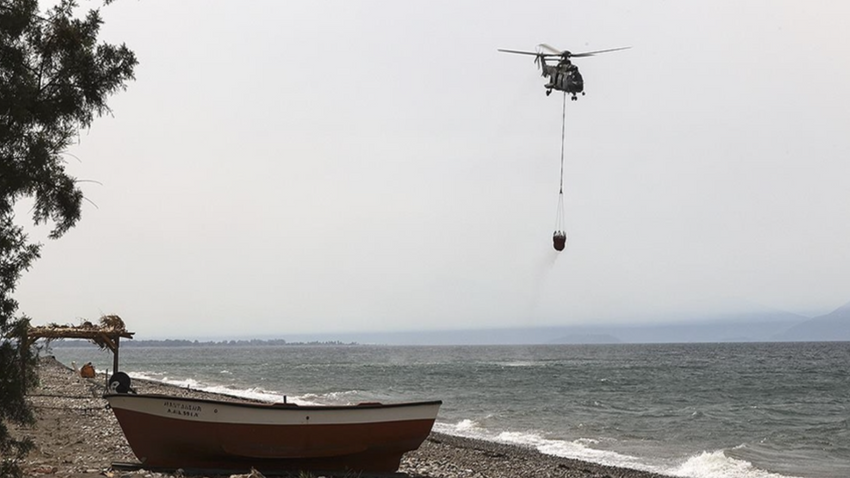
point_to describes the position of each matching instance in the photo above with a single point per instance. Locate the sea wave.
(259, 394)
(471, 428)
(330, 398)
(714, 464)
(249, 393)
(578, 449)
(520, 363)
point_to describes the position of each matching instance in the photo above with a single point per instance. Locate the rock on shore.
(76, 436)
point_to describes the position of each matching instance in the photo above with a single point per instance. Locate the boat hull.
(168, 432)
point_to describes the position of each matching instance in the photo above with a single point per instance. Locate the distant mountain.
(500, 336)
(760, 326)
(586, 339)
(834, 326)
(743, 327)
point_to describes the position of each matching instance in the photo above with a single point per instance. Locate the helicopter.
(564, 75)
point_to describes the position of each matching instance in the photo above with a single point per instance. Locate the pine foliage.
(55, 78)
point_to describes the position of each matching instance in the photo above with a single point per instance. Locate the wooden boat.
(169, 433)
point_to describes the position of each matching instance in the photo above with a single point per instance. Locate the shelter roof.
(106, 334)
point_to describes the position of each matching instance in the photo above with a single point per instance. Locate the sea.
(731, 410)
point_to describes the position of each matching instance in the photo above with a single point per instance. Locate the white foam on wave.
(334, 398)
(519, 363)
(468, 425)
(330, 398)
(152, 376)
(703, 465)
(464, 428)
(578, 449)
(715, 464)
(250, 393)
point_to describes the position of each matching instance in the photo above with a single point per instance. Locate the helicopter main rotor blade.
(591, 53)
(520, 52)
(538, 55)
(551, 48)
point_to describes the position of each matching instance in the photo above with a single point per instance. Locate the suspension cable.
(563, 127)
(559, 238)
(559, 215)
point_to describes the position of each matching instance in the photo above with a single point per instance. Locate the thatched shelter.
(105, 335)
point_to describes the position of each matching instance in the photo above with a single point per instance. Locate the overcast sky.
(302, 167)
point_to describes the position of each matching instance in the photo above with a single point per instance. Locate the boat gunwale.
(274, 405)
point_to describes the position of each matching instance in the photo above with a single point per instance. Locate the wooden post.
(24, 344)
(115, 354)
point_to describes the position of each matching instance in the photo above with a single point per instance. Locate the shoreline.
(76, 436)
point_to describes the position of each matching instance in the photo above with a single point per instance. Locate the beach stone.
(43, 470)
(77, 437)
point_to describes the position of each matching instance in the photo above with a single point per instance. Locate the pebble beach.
(76, 435)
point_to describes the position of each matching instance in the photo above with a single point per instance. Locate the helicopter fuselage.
(563, 77)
